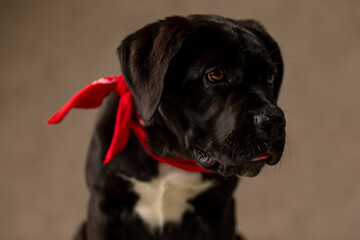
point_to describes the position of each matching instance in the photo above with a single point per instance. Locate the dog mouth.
(249, 167)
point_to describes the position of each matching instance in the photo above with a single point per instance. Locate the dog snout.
(271, 121)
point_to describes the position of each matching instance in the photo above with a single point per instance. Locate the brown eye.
(215, 76)
(271, 78)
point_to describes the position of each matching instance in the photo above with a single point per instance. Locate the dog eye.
(215, 76)
(270, 79)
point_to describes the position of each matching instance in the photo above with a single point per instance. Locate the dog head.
(206, 88)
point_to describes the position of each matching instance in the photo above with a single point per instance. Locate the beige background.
(50, 49)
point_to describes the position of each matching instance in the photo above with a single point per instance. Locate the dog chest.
(166, 197)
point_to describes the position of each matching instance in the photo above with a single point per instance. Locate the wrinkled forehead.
(220, 42)
(213, 39)
(215, 30)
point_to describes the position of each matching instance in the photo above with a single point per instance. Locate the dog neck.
(163, 141)
(163, 197)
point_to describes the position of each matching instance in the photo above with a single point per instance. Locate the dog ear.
(145, 57)
(271, 47)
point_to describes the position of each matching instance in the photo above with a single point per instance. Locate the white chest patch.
(165, 198)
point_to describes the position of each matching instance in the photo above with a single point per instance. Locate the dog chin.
(249, 168)
(242, 170)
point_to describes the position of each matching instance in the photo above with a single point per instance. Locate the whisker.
(276, 49)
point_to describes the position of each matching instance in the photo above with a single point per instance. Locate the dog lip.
(272, 160)
(204, 159)
(265, 156)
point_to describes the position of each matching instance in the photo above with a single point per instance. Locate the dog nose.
(271, 121)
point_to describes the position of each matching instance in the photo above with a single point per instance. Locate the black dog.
(206, 88)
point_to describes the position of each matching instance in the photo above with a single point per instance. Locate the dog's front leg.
(97, 221)
(111, 215)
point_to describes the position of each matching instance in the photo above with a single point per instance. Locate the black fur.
(231, 122)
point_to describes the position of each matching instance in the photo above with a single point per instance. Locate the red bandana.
(92, 96)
